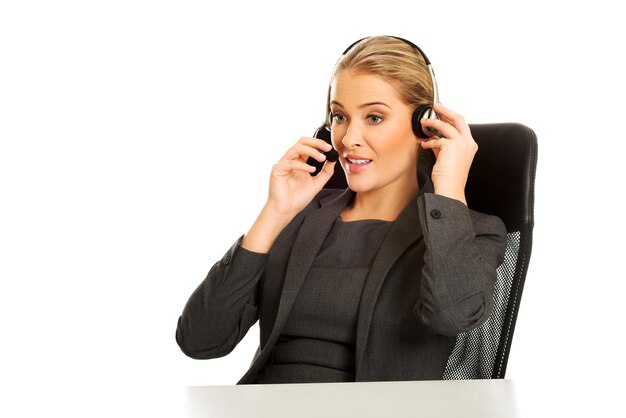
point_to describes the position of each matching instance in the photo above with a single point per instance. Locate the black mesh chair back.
(501, 182)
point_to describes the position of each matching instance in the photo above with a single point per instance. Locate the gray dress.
(318, 341)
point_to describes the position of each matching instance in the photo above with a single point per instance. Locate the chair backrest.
(502, 183)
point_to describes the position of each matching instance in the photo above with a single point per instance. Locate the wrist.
(456, 193)
(268, 225)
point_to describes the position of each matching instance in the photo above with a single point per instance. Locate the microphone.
(332, 155)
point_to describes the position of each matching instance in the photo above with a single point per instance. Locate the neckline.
(356, 221)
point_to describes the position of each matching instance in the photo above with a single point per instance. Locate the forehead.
(348, 87)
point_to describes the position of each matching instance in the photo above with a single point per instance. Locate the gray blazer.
(432, 279)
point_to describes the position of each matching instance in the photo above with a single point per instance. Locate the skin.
(455, 151)
(370, 120)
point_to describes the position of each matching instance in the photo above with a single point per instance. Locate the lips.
(356, 164)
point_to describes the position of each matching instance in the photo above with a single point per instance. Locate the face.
(371, 130)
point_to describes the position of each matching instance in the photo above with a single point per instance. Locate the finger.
(325, 173)
(301, 151)
(435, 143)
(453, 118)
(285, 167)
(444, 118)
(315, 143)
(444, 111)
(445, 129)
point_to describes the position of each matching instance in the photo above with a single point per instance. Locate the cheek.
(401, 146)
(335, 140)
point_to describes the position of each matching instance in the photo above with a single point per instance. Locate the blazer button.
(226, 259)
(435, 213)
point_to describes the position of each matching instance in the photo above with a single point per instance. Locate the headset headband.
(398, 38)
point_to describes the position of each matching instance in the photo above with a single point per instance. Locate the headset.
(421, 112)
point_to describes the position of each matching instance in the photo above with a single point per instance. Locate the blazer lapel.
(405, 231)
(311, 236)
(309, 240)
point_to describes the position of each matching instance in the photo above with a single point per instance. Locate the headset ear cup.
(418, 115)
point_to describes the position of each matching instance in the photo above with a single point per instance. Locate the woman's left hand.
(454, 149)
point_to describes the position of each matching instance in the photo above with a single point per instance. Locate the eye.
(374, 119)
(337, 117)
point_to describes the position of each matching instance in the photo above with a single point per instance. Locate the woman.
(373, 282)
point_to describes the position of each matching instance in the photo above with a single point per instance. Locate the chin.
(365, 181)
(359, 186)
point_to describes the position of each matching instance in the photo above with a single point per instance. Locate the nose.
(353, 136)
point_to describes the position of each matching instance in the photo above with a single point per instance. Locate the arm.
(463, 250)
(291, 189)
(222, 309)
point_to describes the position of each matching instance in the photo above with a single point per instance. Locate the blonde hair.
(394, 60)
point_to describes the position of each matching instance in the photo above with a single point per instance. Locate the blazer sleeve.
(463, 251)
(222, 309)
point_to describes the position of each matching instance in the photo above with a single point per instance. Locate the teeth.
(359, 161)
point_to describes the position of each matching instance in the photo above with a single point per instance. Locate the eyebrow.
(363, 105)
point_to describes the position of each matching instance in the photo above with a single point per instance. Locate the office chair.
(501, 182)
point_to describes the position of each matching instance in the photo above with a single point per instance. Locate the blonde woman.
(373, 282)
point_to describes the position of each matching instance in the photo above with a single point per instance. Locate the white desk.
(432, 399)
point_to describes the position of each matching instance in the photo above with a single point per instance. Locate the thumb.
(325, 173)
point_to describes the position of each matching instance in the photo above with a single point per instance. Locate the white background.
(136, 143)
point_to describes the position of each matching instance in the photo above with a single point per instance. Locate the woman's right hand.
(291, 185)
(291, 188)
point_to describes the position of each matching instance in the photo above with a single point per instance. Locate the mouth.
(357, 165)
(355, 161)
